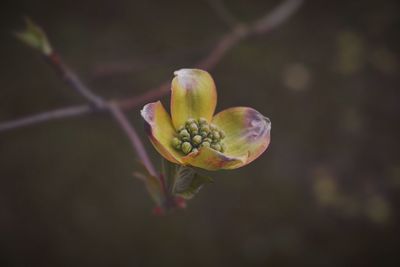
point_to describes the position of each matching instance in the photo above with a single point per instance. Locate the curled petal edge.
(160, 130)
(212, 160)
(248, 132)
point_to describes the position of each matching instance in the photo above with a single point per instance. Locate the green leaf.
(169, 171)
(188, 182)
(152, 183)
(35, 37)
(183, 181)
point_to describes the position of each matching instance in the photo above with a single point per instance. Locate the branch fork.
(36, 38)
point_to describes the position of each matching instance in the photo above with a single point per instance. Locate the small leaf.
(188, 182)
(152, 183)
(34, 37)
(169, 170)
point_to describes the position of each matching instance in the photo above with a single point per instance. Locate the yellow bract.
(160, 129)
(247, 132)
(194, 96)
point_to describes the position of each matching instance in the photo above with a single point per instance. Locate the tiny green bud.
(184, 134)
(202, 121)
(35, 37)
(207, 140)
(203, 134)
(176, 142)
(216, 147)
(198, 133)
(193, 127)
(216, 135)
(197, 140)
(205, 128)
(223, 147)
(190, 121)
(186, 147)
(222, 134)
(205, 144)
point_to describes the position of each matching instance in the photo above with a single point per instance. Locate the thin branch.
(223, 13)
(73, 80)
(130, 131)
(261, 26)
(277, 16)
(227, 42)
(100, 104)
(56, 114)
(152, 94)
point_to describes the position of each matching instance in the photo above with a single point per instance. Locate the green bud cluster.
(196, 134)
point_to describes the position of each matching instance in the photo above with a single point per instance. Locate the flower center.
(196, 134)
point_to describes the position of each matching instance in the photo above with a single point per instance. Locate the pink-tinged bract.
(194, 96)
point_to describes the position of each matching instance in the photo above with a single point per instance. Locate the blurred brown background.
(326, 193)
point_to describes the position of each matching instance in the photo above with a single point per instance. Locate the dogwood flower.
(194, 136)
